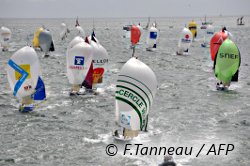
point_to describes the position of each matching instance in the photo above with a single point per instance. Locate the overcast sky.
(121, 8)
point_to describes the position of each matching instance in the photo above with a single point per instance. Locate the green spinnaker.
(227, 61)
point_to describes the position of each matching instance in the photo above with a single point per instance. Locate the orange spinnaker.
(135, 34)
(215, 43)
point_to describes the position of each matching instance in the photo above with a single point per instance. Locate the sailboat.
(227, 63)
(240, 21)
(192, 26)
(148, 23)
(135, 35)
(24, 78)
(79, 29)
(46, 42)
(5, 36)
(205, 23)
(209, 34)
(64, 31)
(135, 90)
(35, 41)
(152, 38)
(79, 60)
(99, 66)
(216, 41)
(184, 42)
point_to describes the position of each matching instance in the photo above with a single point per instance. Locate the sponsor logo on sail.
(78, 63)
(125, 119)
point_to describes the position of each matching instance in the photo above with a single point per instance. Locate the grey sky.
(120, 8)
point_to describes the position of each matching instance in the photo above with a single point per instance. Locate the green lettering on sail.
(135, 100)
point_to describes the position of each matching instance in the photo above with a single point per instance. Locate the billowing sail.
(209, 34)
(23, 72)
(75, 41)
(45, 41)
(185, 41)
(80, 31)
(35, 41)
(79, 59)
(64, 31)
(216, 41)
(5, 36)
(135, 35)
(192, 26)
(227, 61)
(100, 61)
(152, 38)
(135, 90)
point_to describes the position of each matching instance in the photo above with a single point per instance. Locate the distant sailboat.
(135, 35)
(148, 23)
(64, 31)
(205, 23)
(227, 63)
(152, 38)
(79, 29)
(23, 75)
(5, 36)
(35, 42)
(192, 26)
(209, 34)
(240, 21)
(184, 42)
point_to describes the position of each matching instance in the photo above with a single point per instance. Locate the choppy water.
(187, 110)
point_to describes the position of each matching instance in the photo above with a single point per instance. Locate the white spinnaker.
(135, 89)
(5, 36)
(79, 59)
(63, 31)
(45, 40)
(27, 59)
(209, 34)
(152, 38)
(185, 40)
(75, 41)
(79, 31)
(100, 62)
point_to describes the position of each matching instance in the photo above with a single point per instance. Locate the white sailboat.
(64, 31)
(152, 38)
(5, 36)
(135, 90)
(208, 36)
(23, 73)
(100, 62)
(184, 42)
(79, 59)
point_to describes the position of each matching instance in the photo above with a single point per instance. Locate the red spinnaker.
(215, 43)
(135, 34)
